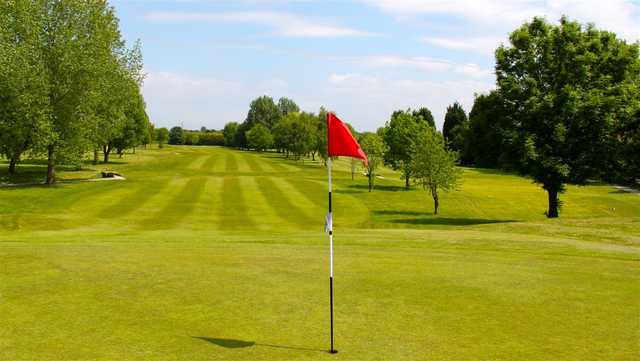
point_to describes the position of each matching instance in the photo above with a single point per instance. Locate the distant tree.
(191, 138)
(399, 134)
(286, 106)
(229, 131)
(321, 134)
(176, 135)
(203, 129)
(454, 117)
(566, 86)
(354, 166)
(162, 136)
(259, 138)
(239, 138)
(264, 111)
(374, 147)
(426, 116)
(433, 165)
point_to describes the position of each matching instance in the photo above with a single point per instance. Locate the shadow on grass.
(448, 221)
(231, 343)
(381, 187)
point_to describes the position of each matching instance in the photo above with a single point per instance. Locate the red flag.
(340, 140)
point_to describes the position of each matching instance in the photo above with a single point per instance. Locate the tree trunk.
(95, 156)
(51, 165)
(352, 173)
(406, 181)
(106, 150)
(553, 204)
(370, 182)
(12, 165)
(436, 203)
(313, 156)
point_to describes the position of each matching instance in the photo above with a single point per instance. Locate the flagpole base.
(333, 351)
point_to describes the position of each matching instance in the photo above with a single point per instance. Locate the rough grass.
(213, 254)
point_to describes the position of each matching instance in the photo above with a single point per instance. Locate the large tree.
(434, 165)
(263, 110)
(229, 132)
(454, 117)
(399, 134)
(24, 115)
(259, 138)
(286, 106)
(567, 85)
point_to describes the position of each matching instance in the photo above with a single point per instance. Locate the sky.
(205, 60)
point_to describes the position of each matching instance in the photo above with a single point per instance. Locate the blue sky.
(206, 60)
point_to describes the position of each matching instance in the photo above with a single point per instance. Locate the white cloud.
(619, 16)
(367, 101)
(481, 44)
(285, 24)
(194, 101)
(425, 64)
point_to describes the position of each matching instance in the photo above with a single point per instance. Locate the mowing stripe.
(197, 163)
(179, 207)
(231, 164)
(282, 204)
(207, 210)
(233, 208)
(263, 215)
(133, 200)
(253, 164)
(208, 165)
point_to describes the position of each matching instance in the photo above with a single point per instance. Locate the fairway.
(208, 253)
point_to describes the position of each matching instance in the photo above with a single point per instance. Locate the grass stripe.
(179, 207)
(282, 205)
(233, 208)
(134, 200)
(253, 163)
(231, 164)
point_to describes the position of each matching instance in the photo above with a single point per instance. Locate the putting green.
(214, 254)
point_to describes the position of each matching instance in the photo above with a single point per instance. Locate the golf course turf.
(208, 253)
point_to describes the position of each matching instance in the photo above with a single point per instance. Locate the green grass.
(213, 254)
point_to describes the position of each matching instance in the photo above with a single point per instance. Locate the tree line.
(69, 85)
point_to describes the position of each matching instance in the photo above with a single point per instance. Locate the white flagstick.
(330, 229)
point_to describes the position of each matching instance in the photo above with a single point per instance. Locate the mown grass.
(213, 254)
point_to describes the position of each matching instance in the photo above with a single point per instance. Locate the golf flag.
(340, 140)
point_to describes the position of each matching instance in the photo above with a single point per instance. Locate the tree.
(80, 40)
(162, 136)
(286, 106)
(321, 135)
(454, 117)
(399, 134)
(259, 138)
(176, 135)
(426, 116)
(24, 101)
(262, 110)
(374, 147)
(229, 132)
(566, 87)
(433, 165)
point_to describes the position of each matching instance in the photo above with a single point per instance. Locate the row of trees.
(178, 136)
(68, 83)
(409, 142)
(566, 109)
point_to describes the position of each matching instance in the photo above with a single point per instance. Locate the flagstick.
(332, 350)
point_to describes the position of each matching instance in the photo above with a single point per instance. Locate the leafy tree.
(426, 116)
(566, 86)
(286, 106)
(24, 99)
(239, 138)
(321, 134)
(176, 135)
(259, 138)
(229, 131)
(162, 136)
(374, 147)
(262, 110)
(82, 38)
(399, 134)
(433, 165)
(454, 117)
